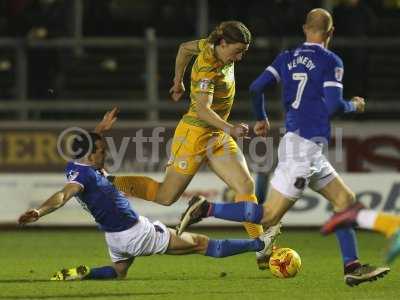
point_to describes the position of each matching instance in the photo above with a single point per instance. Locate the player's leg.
(122, 246)
(262, 180)
(357, 214)
(121, 267)
(121, 260)
(233, 170)
(250, 212)
(268, 214)
(189, 243)
(286, 188)
(341, 197)
(142, 187)
(118, 270)
(165, 193)
(186, 243)
(173, 186)
(230, 165)
(385, 223)
(394, 248)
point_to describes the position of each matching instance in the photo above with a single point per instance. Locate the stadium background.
(64, 63)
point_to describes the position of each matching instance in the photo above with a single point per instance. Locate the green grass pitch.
(29, 257)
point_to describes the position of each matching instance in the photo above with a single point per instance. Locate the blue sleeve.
(258, 86)
(335, 102)
(333, 87)
(78, 176)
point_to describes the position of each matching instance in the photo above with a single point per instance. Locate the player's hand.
(240, 130)
(261, 128)
(108, 121)
(177, 90)
(29, 216)
(359, 103)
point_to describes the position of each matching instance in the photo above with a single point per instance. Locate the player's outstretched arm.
(336, 104)
(185, 53)
(108, 121)
(51, 204)
(257, 89)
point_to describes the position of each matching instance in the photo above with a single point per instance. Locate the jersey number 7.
(302, 78)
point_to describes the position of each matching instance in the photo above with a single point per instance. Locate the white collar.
(81, 164)
(313, 44)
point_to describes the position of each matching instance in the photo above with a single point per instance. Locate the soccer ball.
(284, 263)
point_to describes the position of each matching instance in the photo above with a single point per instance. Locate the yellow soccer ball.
(284, 263)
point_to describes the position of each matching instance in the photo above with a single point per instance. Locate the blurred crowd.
(47, 19)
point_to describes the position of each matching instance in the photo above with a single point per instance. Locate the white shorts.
(300, 164)
(144, 238)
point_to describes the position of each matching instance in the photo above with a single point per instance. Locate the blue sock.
(106, 272)
(240, 212)
(261, 187)
(223, 248)
(348, 244)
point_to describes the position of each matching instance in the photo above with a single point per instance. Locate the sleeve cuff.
(274, 72)
(76, 182)
(333, 84)
(352, 107)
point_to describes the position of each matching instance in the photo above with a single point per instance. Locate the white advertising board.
(19, 192)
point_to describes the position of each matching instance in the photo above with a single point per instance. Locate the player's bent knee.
(345, 200)
(166, 200)
(201, 242)
(270, 222)
(351, 198)
(270, 218)
(122, 272)
(122, 275)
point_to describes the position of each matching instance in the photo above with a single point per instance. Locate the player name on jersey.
(301, 60)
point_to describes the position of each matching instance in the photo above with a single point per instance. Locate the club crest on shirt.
(339, 74)
(183, 164)
(204, 84)
(72, 175)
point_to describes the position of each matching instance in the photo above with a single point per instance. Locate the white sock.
(366, 218)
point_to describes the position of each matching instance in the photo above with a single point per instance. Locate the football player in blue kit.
(311, 76)
(127, 234)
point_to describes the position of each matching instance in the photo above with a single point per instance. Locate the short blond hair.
(319, 21)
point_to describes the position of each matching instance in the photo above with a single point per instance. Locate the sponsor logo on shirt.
(204, 84)
(72, 175)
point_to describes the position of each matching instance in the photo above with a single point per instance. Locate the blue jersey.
(312, 89)
(109, 207)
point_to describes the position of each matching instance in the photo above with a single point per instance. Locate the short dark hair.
(83, 143)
